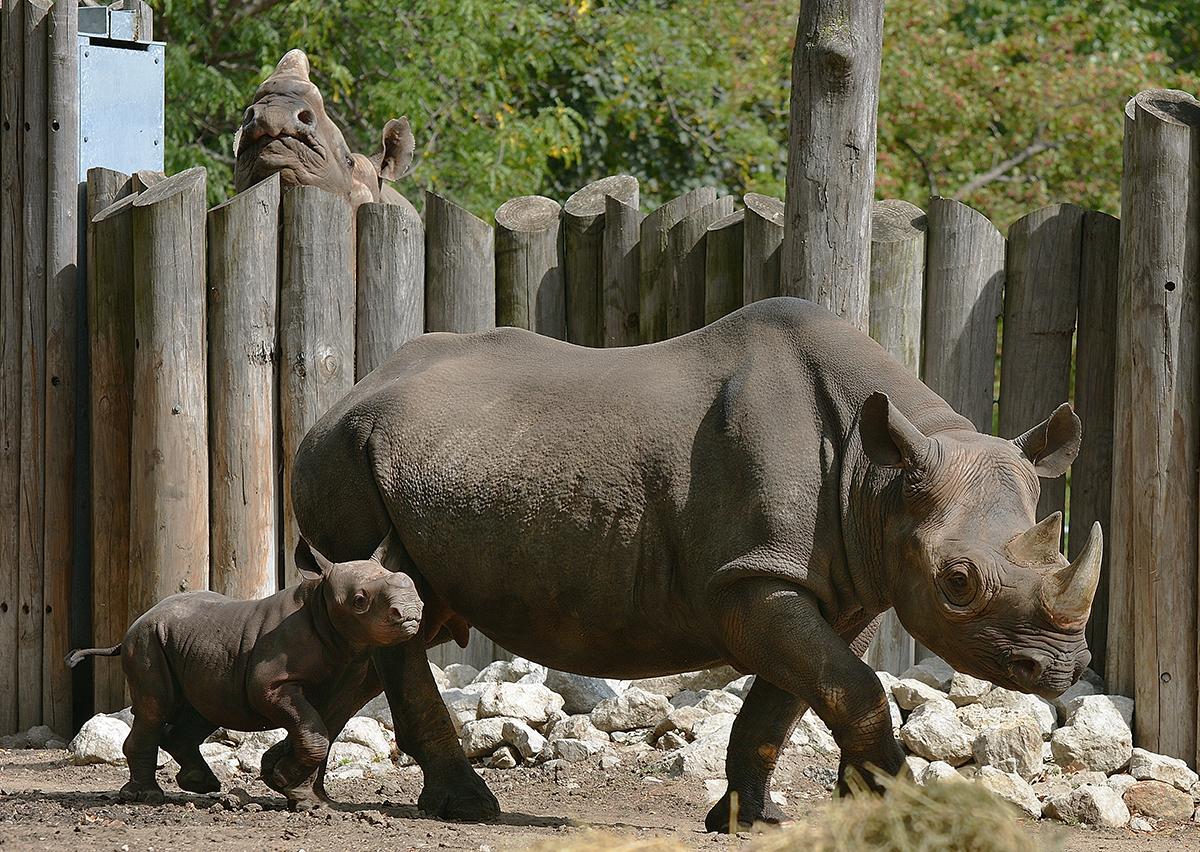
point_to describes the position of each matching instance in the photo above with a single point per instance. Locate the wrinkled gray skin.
(286, 130)
(743, 494)
(299, 660)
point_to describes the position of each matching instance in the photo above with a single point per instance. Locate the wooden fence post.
(168, 525)
(897, 293)
(110, 335)
(316, 328)
(530, 290)
(723, 266)
(653, 260)
(1095, 367)
(33, 367)
(460, 269)
(686, 252)
(61, 385)
(831, 155)
(1041, 295)
(390, 281)
(620, 276)
(583, 228)
(1156, 500)
(763, 246)
(12, 63)
(243, 414)
(964, 282)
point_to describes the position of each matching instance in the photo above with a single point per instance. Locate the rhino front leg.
(776, 631)
(423, 730)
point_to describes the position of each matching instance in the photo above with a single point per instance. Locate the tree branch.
(995, 173)
(930, 177)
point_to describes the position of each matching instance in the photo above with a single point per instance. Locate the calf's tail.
(76, 657)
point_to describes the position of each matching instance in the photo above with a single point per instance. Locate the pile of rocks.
(1071, 759)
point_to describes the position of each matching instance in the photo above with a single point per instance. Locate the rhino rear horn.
(293, 64)
(1038, 545)
(888, 437)
(1068, 592)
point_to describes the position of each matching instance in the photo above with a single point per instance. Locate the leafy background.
(1004, 104)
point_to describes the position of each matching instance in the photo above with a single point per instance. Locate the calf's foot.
(463, 797)
(139, 791)
(197, 779)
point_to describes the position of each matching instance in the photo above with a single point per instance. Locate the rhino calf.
(298, 660)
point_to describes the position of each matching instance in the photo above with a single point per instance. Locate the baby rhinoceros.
(299, 660)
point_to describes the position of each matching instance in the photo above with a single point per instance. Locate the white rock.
(379, 710)
(741, 686)
(609, 762)
(916, 765)
(1076, 690)
(1028, 705)
(633, 708)
(674, 684)
(681, 720)
(99, 741)
(933, 671)
(1121, 782)
(528, 671)
(887, 681)
(219, 756)
(911, 694)
(934, 733)
(500, 671)
(1159, 800)
(714, 789)
(670, 741)
(812, 733)
(1140, 823)
(581, 693)
(1078, 779)
(1148, 766)
(977, 717)
(577, 727)
(965, 689)
(505, 757)
(687, 698)
(125, 715)
(343, 753)
(368, 733)
(1094, 703)
(462, 705)
(573, 751)
(1013, 746)
(528, 742)
(482, 736)
(704, 757)
(459, 675)
(1096, 738)
(531, 702)
(939, 770)
(719, 701)
(439, 676)
(637, 737)
(1010, 787)
(1090, 804)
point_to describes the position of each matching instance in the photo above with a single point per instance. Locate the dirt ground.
(46, 803)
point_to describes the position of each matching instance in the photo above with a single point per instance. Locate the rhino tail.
(76, 657)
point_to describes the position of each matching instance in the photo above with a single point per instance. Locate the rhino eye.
(360, 602)
(960, 584)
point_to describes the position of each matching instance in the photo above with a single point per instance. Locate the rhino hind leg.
(155, 699)
(182, 742)
(758, 737)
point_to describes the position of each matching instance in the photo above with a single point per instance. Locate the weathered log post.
(1154, 493)
(620, 272)
(390, 281)
(460, 269)
(61, 382)
(686, 251)
(653, 260)
(243, 293)
(12, 90)
(897, 293)
(110, 356)
(831, 155)
(316, 328)
(583, 230)
(1095, 367)
(530, 289)
(762, 246)
(168, 524)
(1041, 295)
(31, 554)
(723, 262)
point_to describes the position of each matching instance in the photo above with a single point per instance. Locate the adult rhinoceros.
(753, 493)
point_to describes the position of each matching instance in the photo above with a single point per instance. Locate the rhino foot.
(748, 815)
(468, 800)
(135, 791)
(198, 780)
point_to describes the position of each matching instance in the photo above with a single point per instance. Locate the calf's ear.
(1053, 444)
(394, 158)
(312, 565)
(388, 552)
(888, 437)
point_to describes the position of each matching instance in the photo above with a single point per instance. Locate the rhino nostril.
(1027, 668)
(306, 117)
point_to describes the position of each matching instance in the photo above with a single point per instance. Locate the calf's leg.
(182, 742)
(154, 695)
(293, 772)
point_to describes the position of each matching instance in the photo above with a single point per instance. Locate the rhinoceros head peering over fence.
(978, 580)
(286, 130)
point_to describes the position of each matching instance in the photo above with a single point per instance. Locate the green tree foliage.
(1006, 104)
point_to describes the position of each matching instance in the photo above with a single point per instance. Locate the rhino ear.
(394, 158)
(1053, 444)
(888, 437)
(312, 565)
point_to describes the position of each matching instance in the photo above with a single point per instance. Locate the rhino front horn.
(1067, 593)
(293, 64)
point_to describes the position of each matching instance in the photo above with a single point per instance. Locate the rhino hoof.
(465, 802)
(748, 815)
(198, 781)
(150, 794)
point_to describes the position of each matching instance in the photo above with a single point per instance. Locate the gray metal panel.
(121, 25)
(93, 20)
(121, 112)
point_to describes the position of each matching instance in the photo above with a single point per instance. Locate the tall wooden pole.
(460, 268)
(583, 239)
(390, 280)
(530, 292)
(831, 155)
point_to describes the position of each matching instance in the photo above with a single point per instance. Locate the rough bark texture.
(168, 526)
(243, 413)
(460, 269)
(390, 281)
(316, 328)
(831, 154)
(897, 293)
(621, 265)
(530, 292)
(583, 231)
(110, 334)
(723, 252)
(1095, 366)
(686, 249)
(654, 272)
(1041, 294)
(763, 245)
